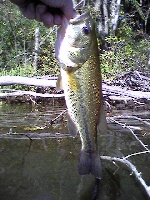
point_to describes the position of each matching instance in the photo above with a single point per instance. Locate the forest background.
(123, 30)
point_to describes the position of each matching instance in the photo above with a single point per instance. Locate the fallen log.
(32, 81)
(123, 92)
(34, 136)
(29, 93)
(51, 82)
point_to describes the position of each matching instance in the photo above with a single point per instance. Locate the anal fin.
(102, 124)
(71, 127)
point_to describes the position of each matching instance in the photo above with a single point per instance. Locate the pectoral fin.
(71, 126)
(59, 85)
(102, 125)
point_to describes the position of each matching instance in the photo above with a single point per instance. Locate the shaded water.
(47, 168)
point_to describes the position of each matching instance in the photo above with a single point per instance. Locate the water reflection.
(30, 172)
(47, 169)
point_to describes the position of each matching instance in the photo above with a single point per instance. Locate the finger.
(28, 11)
(57, 19)
(48, 19)
(66, 6)
(40, 10)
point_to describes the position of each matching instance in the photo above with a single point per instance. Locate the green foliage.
(127, 51)
(17, 38)
(138, 7)
(18, 70)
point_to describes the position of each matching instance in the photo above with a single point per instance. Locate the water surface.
(46, 168)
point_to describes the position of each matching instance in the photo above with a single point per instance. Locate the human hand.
(50, 12)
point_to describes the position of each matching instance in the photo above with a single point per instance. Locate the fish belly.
(83, 95)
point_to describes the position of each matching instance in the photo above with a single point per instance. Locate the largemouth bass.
(77, 52)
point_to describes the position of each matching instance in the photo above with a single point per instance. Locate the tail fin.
(90, 163)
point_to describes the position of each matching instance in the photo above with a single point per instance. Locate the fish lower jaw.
(65, 61)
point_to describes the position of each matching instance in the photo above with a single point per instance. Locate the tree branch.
(135, 154)
(132, 168)
(132, 132)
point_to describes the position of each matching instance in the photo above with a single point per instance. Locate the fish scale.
(81, 81)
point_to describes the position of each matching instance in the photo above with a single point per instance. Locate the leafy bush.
(17, 40)
(127, 51)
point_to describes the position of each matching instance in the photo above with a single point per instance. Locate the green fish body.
(77, 52)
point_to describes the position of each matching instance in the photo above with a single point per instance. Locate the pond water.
(46, 167)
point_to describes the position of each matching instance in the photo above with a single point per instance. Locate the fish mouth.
(80, 18)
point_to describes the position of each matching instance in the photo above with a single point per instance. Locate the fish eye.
(86, 30)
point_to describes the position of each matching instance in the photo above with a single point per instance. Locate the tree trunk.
(115, 10)
(148, 56)
(36, 50)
